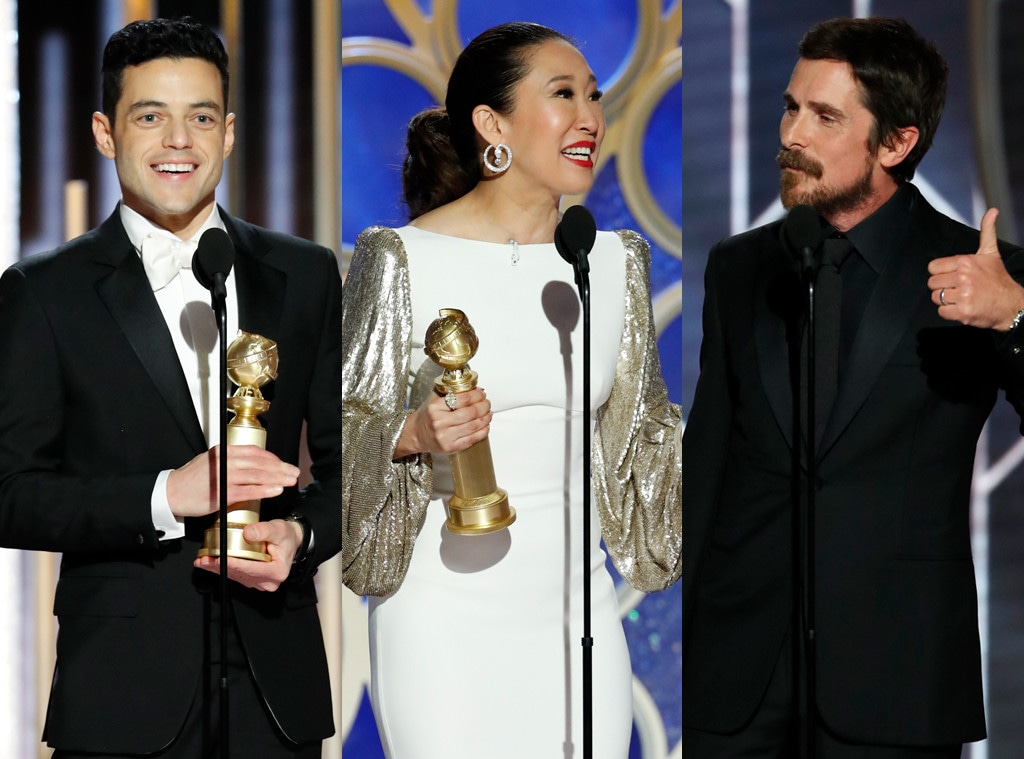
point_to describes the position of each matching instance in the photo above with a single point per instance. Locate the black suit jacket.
(93, 404)
(897, 627)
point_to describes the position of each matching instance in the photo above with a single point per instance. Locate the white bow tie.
(163, 257)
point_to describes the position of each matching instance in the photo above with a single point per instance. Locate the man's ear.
(901, 144)
(103, 133)
(229, 134)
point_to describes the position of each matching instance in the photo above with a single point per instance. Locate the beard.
(827, 200)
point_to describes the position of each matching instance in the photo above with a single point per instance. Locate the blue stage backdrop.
(737, 58)
(396, 56)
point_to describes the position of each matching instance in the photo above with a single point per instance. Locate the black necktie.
(828, 305)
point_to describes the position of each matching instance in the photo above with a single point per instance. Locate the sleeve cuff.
(167, 526)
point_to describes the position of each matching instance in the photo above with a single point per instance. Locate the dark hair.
(902, 78)
(144, 41)
(443, 150)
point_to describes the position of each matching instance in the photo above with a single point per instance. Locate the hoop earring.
(500, 151)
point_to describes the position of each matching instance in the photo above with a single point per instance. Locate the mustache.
(795, 159)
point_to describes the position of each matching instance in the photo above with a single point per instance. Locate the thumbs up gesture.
(975, 289)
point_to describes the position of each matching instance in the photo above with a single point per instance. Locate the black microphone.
(212, 261)
(802, 234)
(574, 238)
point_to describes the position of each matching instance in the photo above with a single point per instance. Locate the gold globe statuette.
(252, 363)
(479, 506)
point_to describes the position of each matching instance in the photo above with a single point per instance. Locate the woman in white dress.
(475, 639)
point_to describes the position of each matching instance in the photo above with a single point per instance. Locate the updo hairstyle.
(443, 160)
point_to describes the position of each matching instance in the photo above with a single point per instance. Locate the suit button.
(140, 539)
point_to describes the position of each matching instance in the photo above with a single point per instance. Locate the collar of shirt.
(139, 227)
(883, 233)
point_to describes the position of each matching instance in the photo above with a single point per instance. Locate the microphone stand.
(583, 277)
(211, 264)
(220, 309)
(806, 524)
(575, 249)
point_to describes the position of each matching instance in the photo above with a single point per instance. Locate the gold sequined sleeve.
(636, 465)
(383, 502)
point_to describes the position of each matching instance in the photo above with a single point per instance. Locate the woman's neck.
(492, 213)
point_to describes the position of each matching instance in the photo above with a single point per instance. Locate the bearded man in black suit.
(109, 447)
(928, 334)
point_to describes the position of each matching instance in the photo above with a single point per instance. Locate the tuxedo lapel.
(897, 296)
(778, 303)
(259, 285)
(129, 299)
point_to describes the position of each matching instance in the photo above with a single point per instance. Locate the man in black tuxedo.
(920, 361)
(109, 436)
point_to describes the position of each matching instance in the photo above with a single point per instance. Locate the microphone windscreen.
(215, 254)
(575, 232)
(801, 229)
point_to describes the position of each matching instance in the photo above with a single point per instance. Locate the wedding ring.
(451, 401)
(942, 296)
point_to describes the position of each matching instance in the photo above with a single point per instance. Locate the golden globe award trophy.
(252, 363)
(479, 506)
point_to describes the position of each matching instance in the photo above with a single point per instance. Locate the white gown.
(478, 654)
